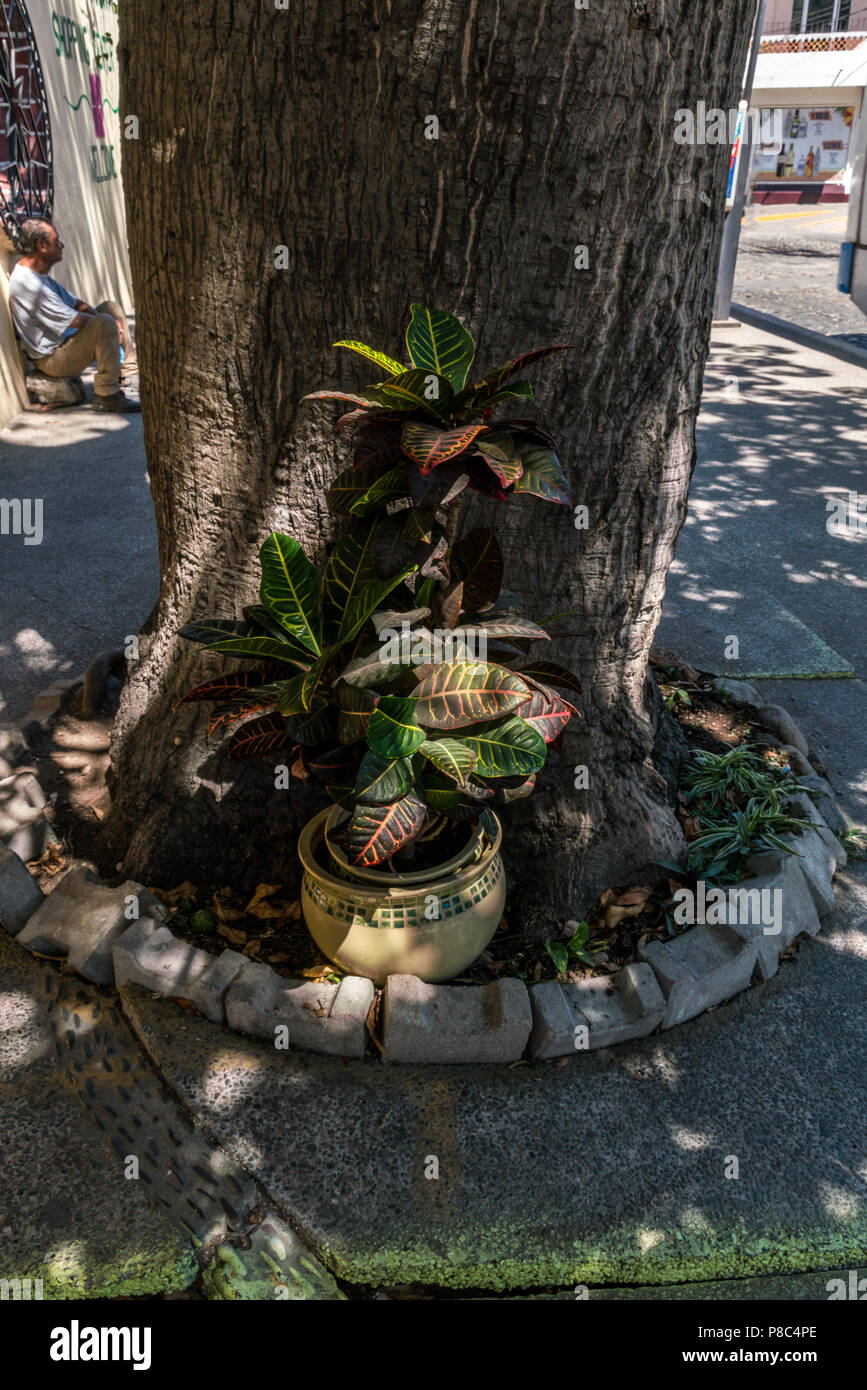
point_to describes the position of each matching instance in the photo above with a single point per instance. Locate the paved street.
(787, 265)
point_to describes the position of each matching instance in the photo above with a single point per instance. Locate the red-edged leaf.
(372, 416)
(450, 604)
(547, 714)
(225, 716)
(482, 480)
(551, 674)
(508, 472)
(543, 474)
(352, 417)
(500, 452)
(495, 378)
(366, 401)
(458, 693)
(375, 832)
(335, 765)
(356, 706)
(259, 736)
(429, 447)
(528, 427)
(225, 687)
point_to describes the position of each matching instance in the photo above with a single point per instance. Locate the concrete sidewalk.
(783, 429)
(94, 577)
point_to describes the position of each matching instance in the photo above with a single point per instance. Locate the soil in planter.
(269, 926)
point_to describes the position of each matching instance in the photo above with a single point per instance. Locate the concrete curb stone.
(829, 807)
(627, 1005)
(454, 1023)
(700, 969)
(150, 956)
(317, 1015)
(86, 922)
(801, 766)
(799, 914)
(780, 722)
(81, 920)
(740, 691)
(819, 854)
(20, 894)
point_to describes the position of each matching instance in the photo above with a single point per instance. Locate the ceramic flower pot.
(431, 923)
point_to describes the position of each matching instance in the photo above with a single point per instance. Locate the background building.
(811, 71)
(60, 153)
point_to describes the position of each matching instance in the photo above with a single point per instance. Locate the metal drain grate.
(245, 1249)
(199, 1185)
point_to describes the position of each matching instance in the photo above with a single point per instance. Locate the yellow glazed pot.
(386, 924)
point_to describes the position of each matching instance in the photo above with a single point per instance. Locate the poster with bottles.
(803, 142)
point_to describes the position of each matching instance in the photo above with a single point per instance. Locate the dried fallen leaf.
(316, 1009)
(264, 890)
(224, 911)
(252, 948)
(372, 1020)
(237, 938)
(629, 903)
(279, 910)
(172, 896)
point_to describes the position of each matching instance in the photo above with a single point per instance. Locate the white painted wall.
(77, 45)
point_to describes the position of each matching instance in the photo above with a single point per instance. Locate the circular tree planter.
(432, 923)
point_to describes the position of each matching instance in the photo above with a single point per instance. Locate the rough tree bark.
(306, 127)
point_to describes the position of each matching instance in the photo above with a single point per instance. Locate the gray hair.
(30, 232)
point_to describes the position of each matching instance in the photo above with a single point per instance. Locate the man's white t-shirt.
(42, 310)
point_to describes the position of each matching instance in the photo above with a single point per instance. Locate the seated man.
(62, 334)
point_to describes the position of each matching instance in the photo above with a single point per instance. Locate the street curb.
(782, 328)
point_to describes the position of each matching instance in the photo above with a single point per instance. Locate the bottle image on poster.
(814, 146)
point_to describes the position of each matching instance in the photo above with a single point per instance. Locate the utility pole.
(732, 230)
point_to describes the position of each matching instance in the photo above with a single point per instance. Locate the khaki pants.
(97, 338)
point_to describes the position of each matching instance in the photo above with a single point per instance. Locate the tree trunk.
(308, 128)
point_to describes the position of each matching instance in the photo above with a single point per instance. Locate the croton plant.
(398, 738)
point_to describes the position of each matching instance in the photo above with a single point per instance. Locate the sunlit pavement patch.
(773, 644)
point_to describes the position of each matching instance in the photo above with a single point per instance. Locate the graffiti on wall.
(26, 166)
(88, 45)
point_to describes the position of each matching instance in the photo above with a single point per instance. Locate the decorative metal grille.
(26, 167)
